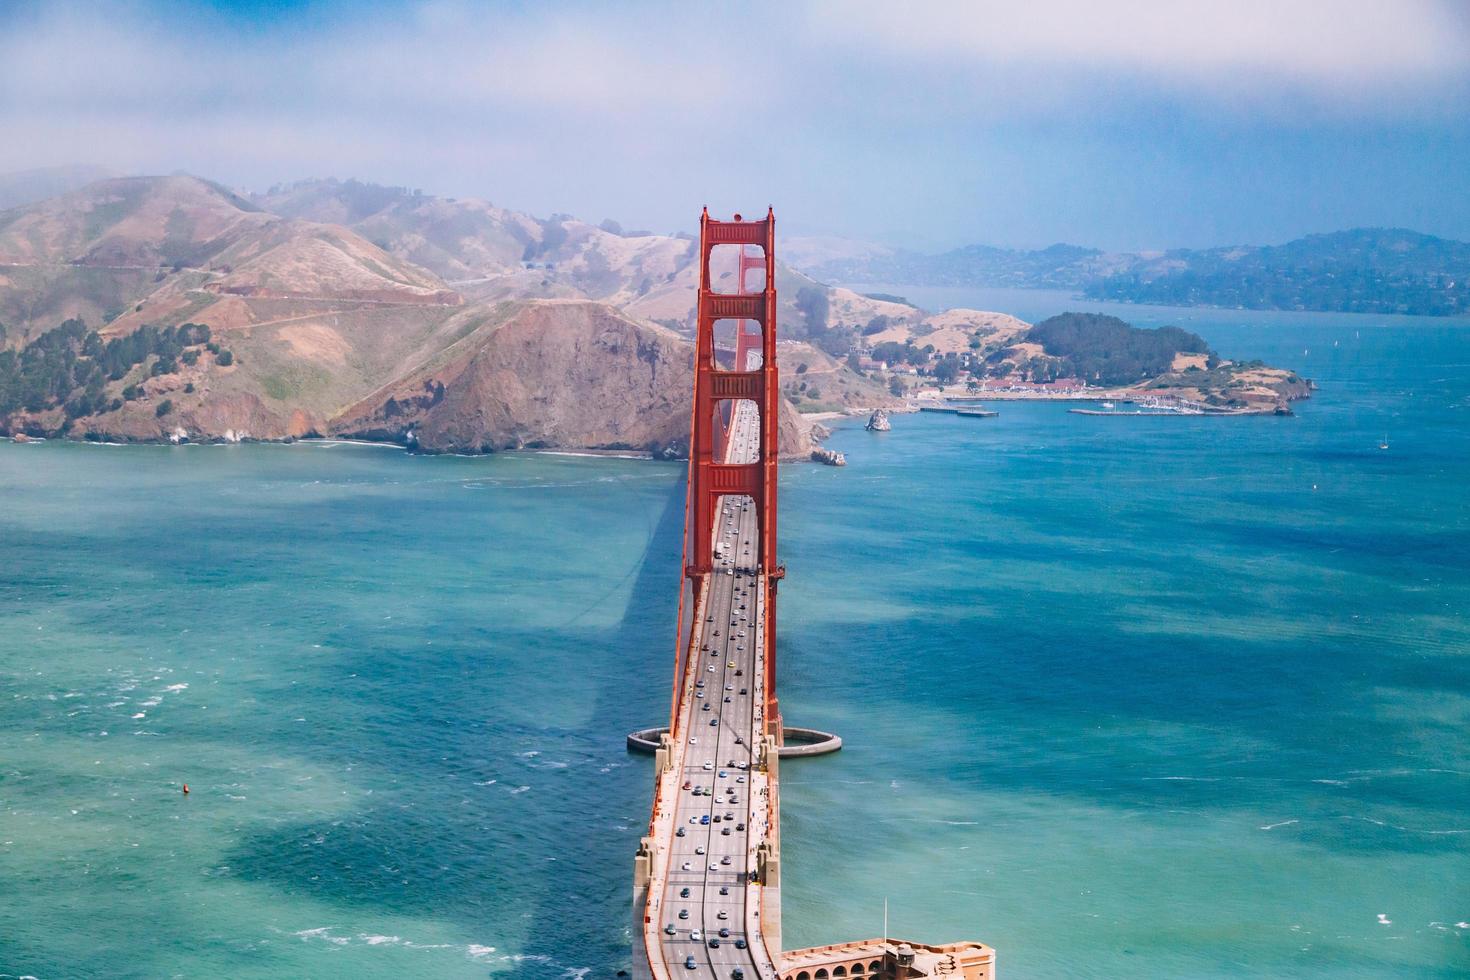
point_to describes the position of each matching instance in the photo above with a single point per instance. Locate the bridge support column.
(664, 757)
(768, 861)
(771, 756)
(642, 875)
(643, 864)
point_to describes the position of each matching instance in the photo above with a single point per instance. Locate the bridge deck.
(715, 797)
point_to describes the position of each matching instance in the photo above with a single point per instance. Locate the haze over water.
(1174, 697)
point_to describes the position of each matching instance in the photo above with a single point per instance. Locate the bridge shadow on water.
(504, 814)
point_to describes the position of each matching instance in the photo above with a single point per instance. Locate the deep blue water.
(1170, 697)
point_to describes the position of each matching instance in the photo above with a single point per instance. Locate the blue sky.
(1127, 125)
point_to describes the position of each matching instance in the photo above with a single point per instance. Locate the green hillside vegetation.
(71, 366)
(1104, 350)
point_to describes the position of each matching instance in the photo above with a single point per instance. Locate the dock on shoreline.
(977, 413)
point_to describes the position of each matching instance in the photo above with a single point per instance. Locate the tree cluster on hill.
(70, 366)
(813, 305)
(1105, 350)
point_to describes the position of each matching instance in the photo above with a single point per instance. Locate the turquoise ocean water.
(1122, 697)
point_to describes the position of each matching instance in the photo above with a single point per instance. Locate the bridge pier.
(642, 876)
(797, 743)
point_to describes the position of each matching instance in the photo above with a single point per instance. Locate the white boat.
(1109, 405)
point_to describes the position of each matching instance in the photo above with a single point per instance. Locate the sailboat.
(1384, 443)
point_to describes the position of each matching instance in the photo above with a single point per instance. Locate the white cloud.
(1326, 49)
(913, 119)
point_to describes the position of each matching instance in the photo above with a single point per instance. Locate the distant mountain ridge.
(1362, 270)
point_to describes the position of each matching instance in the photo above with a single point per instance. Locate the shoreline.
(327, 442)
(1126, 396)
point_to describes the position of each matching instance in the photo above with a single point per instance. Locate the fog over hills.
(29, 186)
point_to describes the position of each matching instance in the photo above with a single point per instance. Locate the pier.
(974, 413)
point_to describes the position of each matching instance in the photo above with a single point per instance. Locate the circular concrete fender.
(797, 742)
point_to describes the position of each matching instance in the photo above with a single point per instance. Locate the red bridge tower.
(717, 391)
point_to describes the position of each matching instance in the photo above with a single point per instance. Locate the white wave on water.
(608, 455)
(326, 934)
(1406, 830)
(1284, 823)
(1181, 779)
(176, 687)
(519, 789)
(329, 443)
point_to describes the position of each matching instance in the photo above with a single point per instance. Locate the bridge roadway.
(706, 907)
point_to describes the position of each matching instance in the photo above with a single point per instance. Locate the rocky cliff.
(549, 374)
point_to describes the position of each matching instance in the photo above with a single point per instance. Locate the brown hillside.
(553, 374)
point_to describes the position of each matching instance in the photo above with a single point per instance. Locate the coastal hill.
(1363, 270)
(189, 311)
(1008, 357)
(153, 249)
(548, 373)
(150, 308)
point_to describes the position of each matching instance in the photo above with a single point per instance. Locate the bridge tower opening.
(753, 379)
